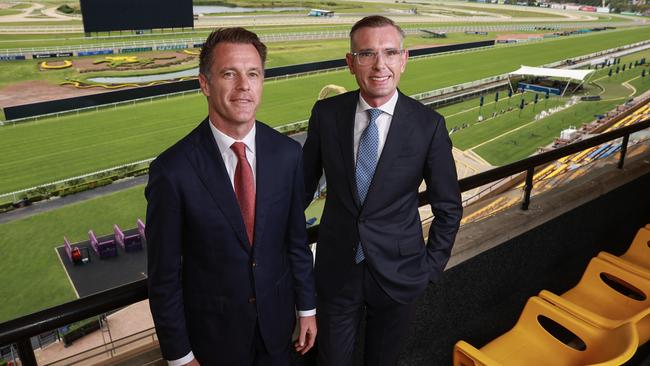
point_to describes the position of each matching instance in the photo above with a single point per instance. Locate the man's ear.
(203, 82)
(405, 58)
(349, 59)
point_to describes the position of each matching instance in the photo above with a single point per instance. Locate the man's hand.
(305, 342)
(194, 362)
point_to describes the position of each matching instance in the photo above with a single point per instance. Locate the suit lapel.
(211, 170)
(398, 133)
(345, 128)
(265, 157)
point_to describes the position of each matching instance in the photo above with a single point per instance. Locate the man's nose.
(380, 61)
(243, 83)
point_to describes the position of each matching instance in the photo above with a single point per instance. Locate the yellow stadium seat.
(637, 257)
(466, 355)
(639, 251)
(608, 296)
(626, 265)
(530, 343)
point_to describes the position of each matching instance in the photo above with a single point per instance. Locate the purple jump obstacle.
(74, 253)
(141, 229)
(130, 243)
(104, 249)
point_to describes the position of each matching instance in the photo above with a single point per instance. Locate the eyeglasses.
(365, 58)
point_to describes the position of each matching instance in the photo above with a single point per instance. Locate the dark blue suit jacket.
(207, 285)
(387, 224)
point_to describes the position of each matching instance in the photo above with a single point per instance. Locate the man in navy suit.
(228, 258)
(376, 145)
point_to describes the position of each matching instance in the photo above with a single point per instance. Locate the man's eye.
(253, 75)
(392, 52)
(366, 54)
(228, 74)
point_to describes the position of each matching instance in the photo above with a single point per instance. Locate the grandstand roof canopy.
(556, 73)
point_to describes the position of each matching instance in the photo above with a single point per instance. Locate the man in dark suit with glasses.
(376, 145)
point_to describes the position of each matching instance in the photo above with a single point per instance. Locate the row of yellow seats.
(601, 321)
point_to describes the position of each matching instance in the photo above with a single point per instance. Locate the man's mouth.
(241, 100)
(379, 78)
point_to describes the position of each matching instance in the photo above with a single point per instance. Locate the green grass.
(18, 71)
(32, 276)
(5, 12)
(21, 6)
(641, 82)
(519, 144)
(481, 132)
(501, 10)
(37, 153)
(522, 143)
(75, 145)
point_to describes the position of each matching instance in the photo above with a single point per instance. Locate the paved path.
(53, 204)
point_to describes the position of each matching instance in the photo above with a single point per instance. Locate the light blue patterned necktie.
(366, 163)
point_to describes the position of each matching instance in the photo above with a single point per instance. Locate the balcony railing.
(20, 330)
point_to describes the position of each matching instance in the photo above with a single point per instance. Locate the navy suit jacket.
(207, 285)
(388, 223)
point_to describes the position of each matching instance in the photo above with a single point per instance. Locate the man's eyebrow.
(230, 68)
(375, 50)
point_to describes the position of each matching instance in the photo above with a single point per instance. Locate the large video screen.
(114, 15)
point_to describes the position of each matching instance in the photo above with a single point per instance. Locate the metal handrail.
(19, 330)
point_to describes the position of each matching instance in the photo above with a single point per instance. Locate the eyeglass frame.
(375, 54)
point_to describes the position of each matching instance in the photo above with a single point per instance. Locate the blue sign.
(171, 47)
(539, 88)
(136, 49)
(12, 57)
(95, 52)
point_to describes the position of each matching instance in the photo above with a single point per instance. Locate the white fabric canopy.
(557, 73)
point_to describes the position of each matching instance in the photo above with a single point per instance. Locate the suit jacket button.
(254, 264)
(251, 300)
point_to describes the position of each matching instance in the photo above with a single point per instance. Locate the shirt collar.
(388, 107)
(224, 141)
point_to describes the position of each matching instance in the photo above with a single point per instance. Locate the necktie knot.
(374, 113)
(240, 149)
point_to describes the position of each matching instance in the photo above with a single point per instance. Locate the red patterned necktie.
(245, 188)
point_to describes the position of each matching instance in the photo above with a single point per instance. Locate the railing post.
(528, 188)
(26, 353)
(621, 160)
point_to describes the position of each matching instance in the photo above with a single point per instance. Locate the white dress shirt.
(224, 142)
(361, 121)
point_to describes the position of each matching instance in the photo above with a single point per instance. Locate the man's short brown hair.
(374, 21)
(230, 35)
